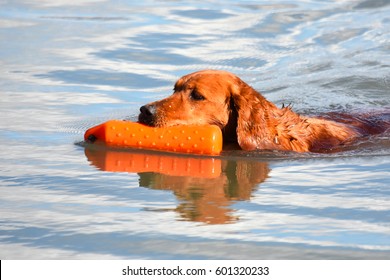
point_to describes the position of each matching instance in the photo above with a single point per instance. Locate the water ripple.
(68, 65)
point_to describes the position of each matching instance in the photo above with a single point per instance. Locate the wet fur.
(246, 117)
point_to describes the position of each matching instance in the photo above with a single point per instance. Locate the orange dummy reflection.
(206, 187)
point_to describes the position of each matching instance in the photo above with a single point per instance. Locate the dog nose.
(147, 114)
(148, 110)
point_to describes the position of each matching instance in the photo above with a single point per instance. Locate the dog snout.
(148, 110)
(147, 114)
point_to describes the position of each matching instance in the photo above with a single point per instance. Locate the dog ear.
(254, 130)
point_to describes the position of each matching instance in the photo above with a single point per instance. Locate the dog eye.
(195, 95)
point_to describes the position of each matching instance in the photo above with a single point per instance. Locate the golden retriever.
(247, 118)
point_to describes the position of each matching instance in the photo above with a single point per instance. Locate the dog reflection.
(206, 187)
(208, 200)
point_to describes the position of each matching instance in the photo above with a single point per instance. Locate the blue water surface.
(69, 65)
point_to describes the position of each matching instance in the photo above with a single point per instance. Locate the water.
(68, 65)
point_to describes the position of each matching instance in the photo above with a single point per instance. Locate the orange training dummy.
(182, 139)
